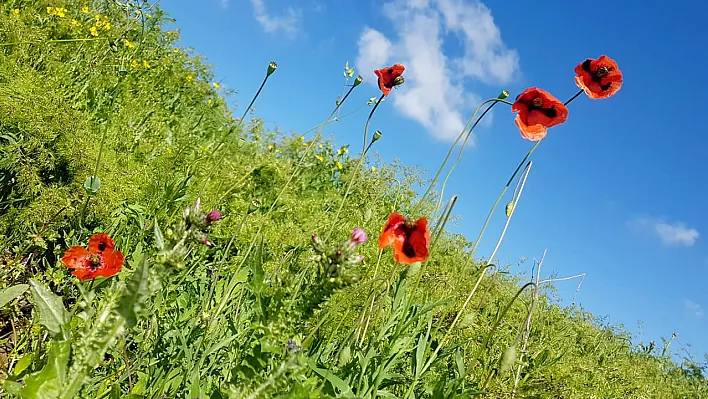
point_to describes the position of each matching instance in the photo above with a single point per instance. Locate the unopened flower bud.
(213, 216)
(358, 80)
(504, 94)
(205, 241)
(272, 67)
(253, 206)
(377, 135)
(398, 81)
(359, 236)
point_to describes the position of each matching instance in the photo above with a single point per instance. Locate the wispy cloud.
(289, 22)
(670, 233)
(435, 94)
(693, 308)
(225, 3)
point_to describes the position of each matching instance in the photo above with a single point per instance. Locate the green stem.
(357, 169)
(488, 337)
(52, 41)
(452, 148)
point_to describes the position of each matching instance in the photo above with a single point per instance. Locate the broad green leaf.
(23, 363)
(48, 382)
(10, 293)
(135, 292)
(52, 314)
(336, 382)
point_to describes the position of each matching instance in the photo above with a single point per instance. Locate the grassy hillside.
(250, 305)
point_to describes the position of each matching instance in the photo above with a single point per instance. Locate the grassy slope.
(162, 121)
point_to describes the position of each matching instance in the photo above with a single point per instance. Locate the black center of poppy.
(602, 71)
(408, 249)
(408, 229)
(599, 74)
(95, 262)
(537, 105)
(101, 246)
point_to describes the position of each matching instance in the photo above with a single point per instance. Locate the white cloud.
(435, 94)
(288, 22)
(694, 309)
(224, 3)
(670, 233)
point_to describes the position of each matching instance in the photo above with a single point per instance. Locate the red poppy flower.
(537, 110)
(389, 77)
(101, 259)
(410, 239)
(599, 78)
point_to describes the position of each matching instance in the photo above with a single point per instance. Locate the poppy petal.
(100, 243)
(390, 230)
(387, 77)
(111, 264)
(532, 132)
(76, 258)
(414, 247)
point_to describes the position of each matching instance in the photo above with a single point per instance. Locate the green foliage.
(249, 306)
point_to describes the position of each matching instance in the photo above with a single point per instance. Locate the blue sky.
(615, 192)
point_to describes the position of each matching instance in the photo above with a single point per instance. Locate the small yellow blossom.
(128, 44)
(216, 85)
(148, 16)
(270, 147)
(339, 165)
(169, 150)
(146, 64)
(58, 11)
(75, 22)
(321, 146)
(98, 18)
(107, 26)
(373, 169)
(175, 50)
(169, 33)
(189, 78)
(209, 101)
(94, 31)
(85, 9)
(278, 151)
(345, 149)
(16, 12)
(134, 63)
(301, 138)
(339, 151)
(319, 158)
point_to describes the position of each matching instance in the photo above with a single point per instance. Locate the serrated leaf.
(92, 185)
(48, 382)
(10, 293)
(159, 238)
(135, 292)
(52, 313)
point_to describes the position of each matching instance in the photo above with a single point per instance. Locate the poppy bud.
(272, 67)
(504, 94)
(509, 209)
(359, 236)
(398, 81)
(213, 216)
(377, 135)
(358, 81)
(508, 358)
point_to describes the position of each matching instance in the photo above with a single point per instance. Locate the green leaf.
(48, 382)
(336, 382)
(23, 363)
(159, 238)
(52, 314)
(92, 185)
(508, 359)
(10, 293)
(135, 292)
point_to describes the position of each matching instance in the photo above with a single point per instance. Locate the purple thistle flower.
(213, 216)
(359, 236)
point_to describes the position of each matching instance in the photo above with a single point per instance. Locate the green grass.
(262, 312)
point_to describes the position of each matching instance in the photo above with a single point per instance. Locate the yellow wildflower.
(345, 149)
(75, 22)
(339, 151)
(148, 16)
(134, 63)
(319, 158)
(128, 43)
(50, 10)
(301, 138)
(278, 151)
(146, 64)
(107, 26)
(85, 9)
(175, 50)
(16, 12)
(169, 150)
(270, 147)
(339, 165)
(373, 169)
(94, 31)
(209, 101)
(321, 146)
(189, 78)
(216, 85)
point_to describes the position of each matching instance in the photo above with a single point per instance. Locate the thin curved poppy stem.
(307, 150)
(452, 148)
(459, 155)
(231, 130)
(574, 97)
(357, 169)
